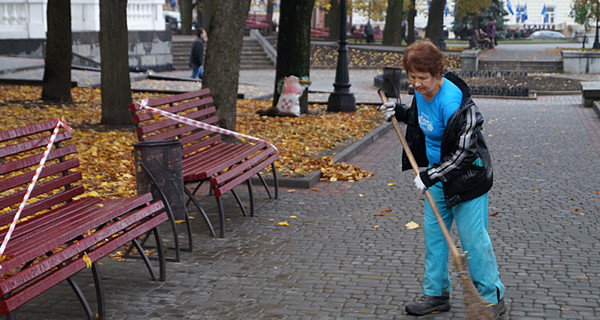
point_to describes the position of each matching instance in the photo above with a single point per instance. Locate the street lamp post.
(441, 43)
(341, 99)
(596, 44)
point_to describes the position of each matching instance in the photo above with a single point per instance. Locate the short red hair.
(424, 56)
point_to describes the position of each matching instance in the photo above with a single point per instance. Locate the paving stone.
(332, 263)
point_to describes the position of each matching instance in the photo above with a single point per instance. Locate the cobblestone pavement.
(527, 52)
(342, 257)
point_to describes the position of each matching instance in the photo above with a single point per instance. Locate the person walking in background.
(197, 54)
(444, 132)
(369, 35)
(404, 31)
(491, 31)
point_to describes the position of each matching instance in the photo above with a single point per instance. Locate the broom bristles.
(476, 307)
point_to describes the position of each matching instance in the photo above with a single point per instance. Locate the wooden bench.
(590, 91)
(482, 39)
(360, 34)
(61, 234)
(206, 157)
(319, 32)
(258, 21)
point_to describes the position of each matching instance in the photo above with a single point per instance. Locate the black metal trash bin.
(392, 77)
(158, 169)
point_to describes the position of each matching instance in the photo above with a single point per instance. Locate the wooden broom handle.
(415, 167)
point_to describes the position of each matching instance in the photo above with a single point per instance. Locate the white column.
(14, 16)
(85, 15)
(145, 15)
(37, 25)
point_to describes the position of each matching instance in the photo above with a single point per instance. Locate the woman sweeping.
(444, 133)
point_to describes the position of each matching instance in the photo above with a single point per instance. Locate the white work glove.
(419, 183)
(388, 110)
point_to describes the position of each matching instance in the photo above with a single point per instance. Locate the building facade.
(541, 14)
(23, 26)
(526, 14)
(522, 14)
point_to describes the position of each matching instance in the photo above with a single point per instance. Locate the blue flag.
(544, 13)
(509, 7)
(447, 10)
(525, 13)
(518, 10)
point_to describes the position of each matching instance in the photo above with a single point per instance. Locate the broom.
(476, 306)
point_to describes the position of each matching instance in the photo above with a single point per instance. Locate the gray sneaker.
(498, 309)
(429, 304)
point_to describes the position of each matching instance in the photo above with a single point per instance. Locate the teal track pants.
(471, 221)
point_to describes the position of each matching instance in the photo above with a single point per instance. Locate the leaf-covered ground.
(305, 143)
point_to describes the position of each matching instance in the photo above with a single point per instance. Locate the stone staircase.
(181, 48)
(253, 56)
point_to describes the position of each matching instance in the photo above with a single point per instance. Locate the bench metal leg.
(162, 262)
(169, 212)
(82, 300)
(145, 238)
(160, 250)
(202, 212)
(275, 185)
(240, 204)
(251, 195)
(194, 192)
(144, 257)
(264, 183)
(239, 201)
(221, 218)
(99, 290)
(188, 229)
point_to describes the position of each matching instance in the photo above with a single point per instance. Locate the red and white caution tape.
(199, 124)
(59, 123)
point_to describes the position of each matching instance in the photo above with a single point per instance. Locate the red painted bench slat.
(87, 218)
(220, 183)
(216, 159)
(48, 247)
(63, 273)
(35, 159)
(42, 188)
(205, 155)
(41, 205)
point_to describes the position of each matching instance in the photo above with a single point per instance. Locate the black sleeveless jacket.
(462, 144)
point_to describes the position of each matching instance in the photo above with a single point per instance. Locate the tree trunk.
(293, 44)
(411, 22)
(392, 34)
(332, 20)
(57, 63)
(270, 7)
(185, 10)
(473, 41)
(114, 56)
(205, 11)
(435, 21)
(222, 61)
